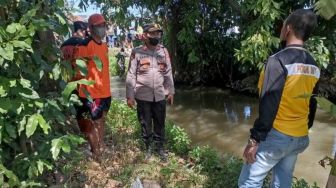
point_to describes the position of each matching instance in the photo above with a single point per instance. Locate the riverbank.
(187, 166)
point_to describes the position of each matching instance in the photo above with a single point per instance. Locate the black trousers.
(150, 113)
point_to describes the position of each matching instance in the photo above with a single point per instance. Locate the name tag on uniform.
(144, 64)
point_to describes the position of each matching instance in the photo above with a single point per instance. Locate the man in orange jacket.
(97, 108)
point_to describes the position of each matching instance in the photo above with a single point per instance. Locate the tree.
(33, 110)
(219, 42)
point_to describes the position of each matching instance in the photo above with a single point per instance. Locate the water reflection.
(232, 114)
(247, 112)
(333, 149)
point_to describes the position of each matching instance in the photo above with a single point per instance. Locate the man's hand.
(130, 103)
(170, 99)
(250, 153)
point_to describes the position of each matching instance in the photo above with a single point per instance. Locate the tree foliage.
(326, 8)
(33, 112)
(219, 41)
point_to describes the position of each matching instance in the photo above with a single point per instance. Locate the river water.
(222, 119)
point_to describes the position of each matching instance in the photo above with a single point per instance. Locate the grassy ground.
(125, 161)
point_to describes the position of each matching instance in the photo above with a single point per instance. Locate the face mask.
(100, 31)
(153, 41)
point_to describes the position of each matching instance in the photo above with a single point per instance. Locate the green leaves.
(22, 45)
(30, 14)
(72, 86)
(255, 49)
(11, 130)
(177, 138)
(31, 125)
(56, 147)
(56, 71)
(327, 105)
(258, 39)
(60, 18)
(316, 46)
(7, 52)
(326, 8)
(81, 64)
(43, 124)
(98, 63)
(30, 94)
(32, 171)
(33, 121)
(63, 144)
(37, 168)
(12, 178)
(41, 164)
(7, 49)
(12, 28)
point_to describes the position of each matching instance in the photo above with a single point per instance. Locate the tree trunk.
(3, 15)
(46, 43)
(173, 21)
(332, 176)
(23, 144)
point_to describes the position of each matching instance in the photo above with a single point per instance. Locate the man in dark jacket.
(280, 132)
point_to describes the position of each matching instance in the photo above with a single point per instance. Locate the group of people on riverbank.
(149, 83)
(278, 135)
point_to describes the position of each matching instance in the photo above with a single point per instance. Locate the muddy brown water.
(222, 119)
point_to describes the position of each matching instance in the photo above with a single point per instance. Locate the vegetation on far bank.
(224, 42)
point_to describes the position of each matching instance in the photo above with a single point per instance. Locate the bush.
(34, 127)
(222, 171)
(177, 139)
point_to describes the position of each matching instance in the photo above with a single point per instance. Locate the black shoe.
(148, 153)
(163, 155)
